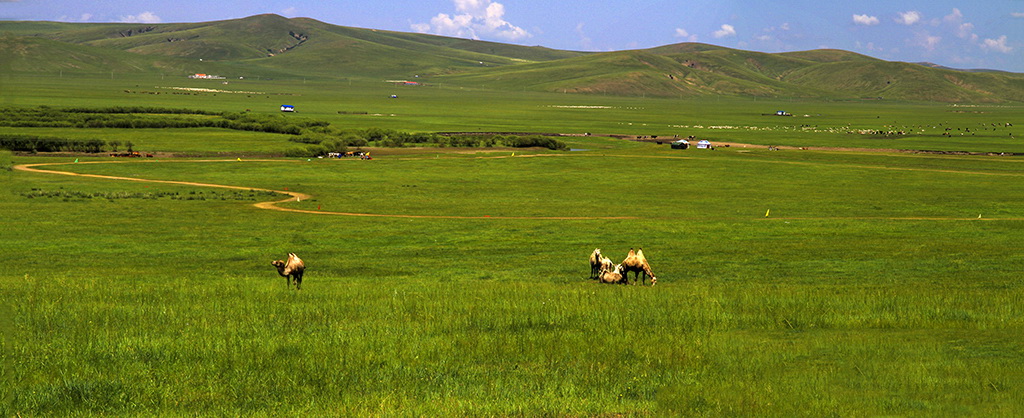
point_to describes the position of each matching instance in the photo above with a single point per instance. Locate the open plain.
(837, 280)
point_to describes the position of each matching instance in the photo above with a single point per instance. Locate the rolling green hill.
(302, 47)
(696, 69)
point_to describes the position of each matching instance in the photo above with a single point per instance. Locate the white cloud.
(459, 25)
(865, 20)
(726, 31)
(682, 33)
(963, 30)
(927, 41)
(870, 46)
(474, 18)
(1017, 14)
(585, 40)
(956, 17)
(144, 17)
(289, 12)
(997, 45)
(966, 31)
(909, 18)
(65, 18)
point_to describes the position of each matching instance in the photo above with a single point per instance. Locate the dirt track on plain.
(292, 196)
(298, 196)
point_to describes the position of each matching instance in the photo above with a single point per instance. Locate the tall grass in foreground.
(240, 345)
(138, 306)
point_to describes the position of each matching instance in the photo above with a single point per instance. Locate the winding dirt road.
(297, 196)
(292, 196)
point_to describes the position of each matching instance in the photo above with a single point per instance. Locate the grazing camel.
(614, 275)
(293, 267)
(636, 262)
(595, 263)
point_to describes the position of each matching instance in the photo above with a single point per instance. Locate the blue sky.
(954, 33)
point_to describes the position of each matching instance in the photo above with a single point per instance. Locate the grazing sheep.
(613, 275)
(636, 262)
(595, 263)
(294, 267)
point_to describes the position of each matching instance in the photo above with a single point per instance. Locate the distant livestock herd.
(602, 269)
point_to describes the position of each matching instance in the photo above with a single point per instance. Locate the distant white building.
(704, 144)
(287, 108)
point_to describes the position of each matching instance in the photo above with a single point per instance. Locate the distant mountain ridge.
(301, 47)
(970, 70)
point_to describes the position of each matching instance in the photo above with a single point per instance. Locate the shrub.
(31, 143)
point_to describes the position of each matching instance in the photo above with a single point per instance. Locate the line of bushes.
(319, 137)
(326, 141)
(31, 143)
(151, 118)
(392, 138)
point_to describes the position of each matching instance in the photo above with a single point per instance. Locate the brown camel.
(595, 263)
(637, 263)
(293, 267)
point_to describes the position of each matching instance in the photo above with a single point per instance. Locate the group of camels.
(601, 268)
(604, 270)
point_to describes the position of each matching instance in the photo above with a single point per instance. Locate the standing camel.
(595, 263)
(637, 263)
(293, 267)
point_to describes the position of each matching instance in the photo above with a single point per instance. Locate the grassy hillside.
(895, 80)
(657, 72)
(697, 69)
(302, 47)
(35, 54)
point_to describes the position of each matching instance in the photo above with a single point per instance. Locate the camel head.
(279, 264)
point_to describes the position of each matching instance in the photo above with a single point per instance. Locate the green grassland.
(438, 107)
(872, 287)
